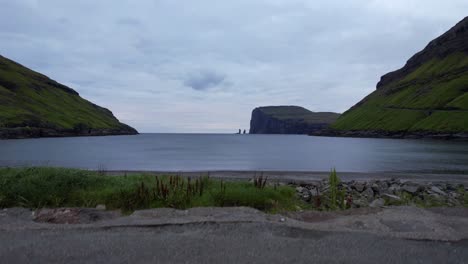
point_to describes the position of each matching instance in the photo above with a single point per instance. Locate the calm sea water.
(187, 152)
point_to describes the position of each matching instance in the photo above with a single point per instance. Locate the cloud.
(128, 21)
(163, 66)
(204, 80)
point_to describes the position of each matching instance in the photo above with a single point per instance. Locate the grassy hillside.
(428, 95)
(299, 113)
(32, 100)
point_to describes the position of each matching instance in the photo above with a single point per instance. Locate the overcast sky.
(202, 66)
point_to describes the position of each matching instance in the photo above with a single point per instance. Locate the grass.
(427, 200)
(58, 187)
(407, 199)
(334, 198)
(298, 113)
(432, 98)
(28, 98)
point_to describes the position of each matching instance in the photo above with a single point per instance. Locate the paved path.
(239, 235)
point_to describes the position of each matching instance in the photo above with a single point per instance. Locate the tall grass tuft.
(56, 187)
(260, 182)
(334, 192)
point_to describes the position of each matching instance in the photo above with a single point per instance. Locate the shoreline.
(269, 192)
(304, 176)
(35, 132)
(416, 135)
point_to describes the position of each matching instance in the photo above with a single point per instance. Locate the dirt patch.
(73, 215)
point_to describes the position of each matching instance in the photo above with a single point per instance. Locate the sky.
(203, 66)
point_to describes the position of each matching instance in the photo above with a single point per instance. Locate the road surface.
(236, 235)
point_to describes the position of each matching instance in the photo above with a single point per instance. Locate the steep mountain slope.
(288, 120)
(428, 97)
(32, 105)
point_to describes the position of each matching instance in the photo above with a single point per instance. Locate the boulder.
(394, 188)
(368, 193)
(383, 185)
(299, 189)
(376, 188)
(438, 191)
(101, 207)
(359, 203)
(314, 192)
(377, 203)
(358, 186)
(306, 196)
(391, 198)
(303, 193)
(450, 187)
(411, 188)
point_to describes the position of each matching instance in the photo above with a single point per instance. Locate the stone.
(394, 188)
(101, 207)
(359, 203)
(375, 187)
(438, 191)
(314, 192)
(368, 193)
(453, 202)
(410, 188)
(450, 187)
(299, 189)
(391, 197)
(383, 185)
(303, 193)
(359, 186)
(377, 203)
(306, 196)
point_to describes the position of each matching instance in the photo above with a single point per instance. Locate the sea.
(232, 152)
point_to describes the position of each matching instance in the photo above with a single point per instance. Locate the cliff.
(288, 120)
(428, 97)
(33, 105)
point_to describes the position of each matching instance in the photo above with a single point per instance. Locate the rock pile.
(386, 192)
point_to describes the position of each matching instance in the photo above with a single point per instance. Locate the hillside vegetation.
(299, 113)
(31, 104)
(427, 97)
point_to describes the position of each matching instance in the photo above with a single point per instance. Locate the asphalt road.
(220, 243)
(196, 237)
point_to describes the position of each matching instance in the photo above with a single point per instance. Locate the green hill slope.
(428, 97)
(32, 105)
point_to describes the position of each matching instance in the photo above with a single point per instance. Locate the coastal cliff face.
(288, 120)
(33, 105)
(427, 98)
